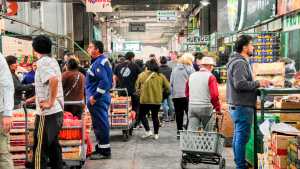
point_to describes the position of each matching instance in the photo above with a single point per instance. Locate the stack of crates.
(293, 149)
(259, 139)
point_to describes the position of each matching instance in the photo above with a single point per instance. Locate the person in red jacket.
(203, 94)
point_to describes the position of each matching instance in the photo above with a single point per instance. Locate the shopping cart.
(120, 112)
(69, 163)
(204, 147)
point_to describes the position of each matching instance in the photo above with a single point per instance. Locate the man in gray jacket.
(241, 96)
(6, 107)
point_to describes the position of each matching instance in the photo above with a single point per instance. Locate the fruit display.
(70, 136)
(266, 48)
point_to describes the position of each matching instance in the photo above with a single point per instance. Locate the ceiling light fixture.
(205, 2)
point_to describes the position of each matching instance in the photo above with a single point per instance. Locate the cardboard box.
(281, 161)
(280, 141)
(290, 117)
(287, 105)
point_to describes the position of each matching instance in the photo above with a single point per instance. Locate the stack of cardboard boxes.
(293, 153)
(279, 148)
(280, 152)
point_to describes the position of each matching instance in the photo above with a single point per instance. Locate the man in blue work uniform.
(98, 84)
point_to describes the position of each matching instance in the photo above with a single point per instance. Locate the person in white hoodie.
(6, 107)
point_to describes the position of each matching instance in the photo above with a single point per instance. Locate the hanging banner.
(98, 6)
(20, 48)
(287, 6)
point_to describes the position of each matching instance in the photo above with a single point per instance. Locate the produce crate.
(260, 144)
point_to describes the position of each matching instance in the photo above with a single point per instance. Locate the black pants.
(144, 110)
(50, 147)
(135, 102)
(181, 106)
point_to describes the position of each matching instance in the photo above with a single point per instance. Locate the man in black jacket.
(167, 102)
(19, 87)
(241, 96)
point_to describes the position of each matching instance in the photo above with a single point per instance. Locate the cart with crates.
(71, 138)
(203, 146)
(121, 116)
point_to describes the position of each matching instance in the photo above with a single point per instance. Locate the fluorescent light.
(205, 2)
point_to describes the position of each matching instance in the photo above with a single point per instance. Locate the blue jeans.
(168, 108)
(242, 118)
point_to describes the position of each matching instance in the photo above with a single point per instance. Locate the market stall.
(73, 137)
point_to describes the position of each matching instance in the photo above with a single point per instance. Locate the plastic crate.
(202, 142)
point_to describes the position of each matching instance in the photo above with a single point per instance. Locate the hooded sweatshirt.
(179, 77)
(241, 88)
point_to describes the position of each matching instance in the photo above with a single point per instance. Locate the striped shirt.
(47, 68)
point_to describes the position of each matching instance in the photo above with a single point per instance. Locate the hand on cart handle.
(6, 123)
(30, 100)
(219, 121)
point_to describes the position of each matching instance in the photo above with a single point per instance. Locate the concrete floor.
(149, 154)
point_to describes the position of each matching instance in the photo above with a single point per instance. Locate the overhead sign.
(137, 27)
(166, 16)
(98, 6)
(202, 40)
(133, 46)
(287, 6)
(291, 22)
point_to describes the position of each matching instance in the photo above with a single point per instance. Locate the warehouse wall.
(50, 16)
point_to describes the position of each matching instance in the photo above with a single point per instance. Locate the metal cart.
(121, 120)
(263, 96)
(204, 147)
(69, 163)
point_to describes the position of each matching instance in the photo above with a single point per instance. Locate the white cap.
(208, 61)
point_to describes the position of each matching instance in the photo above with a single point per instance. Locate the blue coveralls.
(98, 84)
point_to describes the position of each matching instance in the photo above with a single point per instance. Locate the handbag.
(73, 86)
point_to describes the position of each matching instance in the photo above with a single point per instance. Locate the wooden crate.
(290, 117)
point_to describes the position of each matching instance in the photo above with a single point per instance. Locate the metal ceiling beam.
(141, 2)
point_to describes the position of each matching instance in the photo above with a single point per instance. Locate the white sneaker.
(156, 136)
(147, 134)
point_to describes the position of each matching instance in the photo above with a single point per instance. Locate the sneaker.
(156, 136)
(147, 134)
(178, 135)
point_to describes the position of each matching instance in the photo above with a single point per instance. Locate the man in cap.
(203, 94)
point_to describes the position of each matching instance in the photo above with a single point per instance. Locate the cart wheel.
(222, 164)
(130, 131)
(183, 164)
